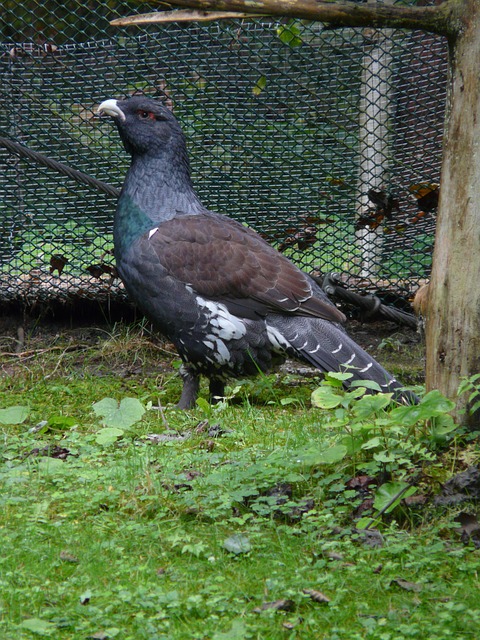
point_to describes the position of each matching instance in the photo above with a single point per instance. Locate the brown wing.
(224, 261)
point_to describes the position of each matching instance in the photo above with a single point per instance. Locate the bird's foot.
(191, 384)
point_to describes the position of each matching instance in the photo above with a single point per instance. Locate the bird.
(232, 305)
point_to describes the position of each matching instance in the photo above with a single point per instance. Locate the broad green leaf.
(373, 443)
(338, 375)
(432, 405)
(325, 398)
(237, 544)
(386, 492)
(366, 521)
(369, 405)
(237, 631)
(108, 436)
(123, 415)
(61, 422)
(366, 384)
(385, 457)
(442, 426)
(14, 415)
(204, 405)
(436, 403)
(313, 458)
(38, 627)
(51, 466)
(352, 444)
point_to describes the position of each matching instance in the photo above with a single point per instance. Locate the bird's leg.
(191, 384)
(217, 390)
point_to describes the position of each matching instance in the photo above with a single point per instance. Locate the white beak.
(111, 108)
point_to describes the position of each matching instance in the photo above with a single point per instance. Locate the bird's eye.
(144, 115)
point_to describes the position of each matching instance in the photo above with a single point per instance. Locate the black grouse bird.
(231, 304)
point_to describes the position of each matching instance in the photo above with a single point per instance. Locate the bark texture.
(453, 328)
(437, 19)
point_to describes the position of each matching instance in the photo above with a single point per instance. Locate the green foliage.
(290, 33)
(117, 417)
(14, 415)
(383, 437)
(38, 627)
(259, 86)
(122, 415)
(82, 245)
(237, 544)
(202, 523)
(472, 387)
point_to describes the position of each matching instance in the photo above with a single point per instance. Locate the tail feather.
(327, 347)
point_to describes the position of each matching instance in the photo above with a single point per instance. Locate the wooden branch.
(441, 19)
(179, 15)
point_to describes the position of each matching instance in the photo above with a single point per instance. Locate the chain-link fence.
(327, 142)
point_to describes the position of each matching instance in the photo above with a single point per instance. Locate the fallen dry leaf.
(464, 486)
(360, 482)
(416, 500)
(371, 538)
(333, 555)
(277, 605)
(291, 625)
(316, 596)
(66, 556)
(469, 528)
(405, 584)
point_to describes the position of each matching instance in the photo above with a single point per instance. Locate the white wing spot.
(352, 357)
(221, 322)
(223, 354)
(339, 348)
(152, 232)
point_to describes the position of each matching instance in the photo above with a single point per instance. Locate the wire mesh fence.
(327, 142)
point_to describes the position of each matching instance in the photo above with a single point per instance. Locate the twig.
(181, 15)
(30, 353)
(20, 340)
(162, 414)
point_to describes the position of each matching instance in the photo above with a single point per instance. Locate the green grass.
(128, 540)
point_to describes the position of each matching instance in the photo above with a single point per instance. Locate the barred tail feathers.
(327, 347)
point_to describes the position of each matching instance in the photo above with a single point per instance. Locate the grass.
(191, 524)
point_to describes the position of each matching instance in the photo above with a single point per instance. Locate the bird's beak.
(111, 108)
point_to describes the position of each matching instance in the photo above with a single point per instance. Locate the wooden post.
(375, 111)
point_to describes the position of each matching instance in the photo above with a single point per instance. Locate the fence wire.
(327, 142)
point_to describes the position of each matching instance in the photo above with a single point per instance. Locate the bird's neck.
(156, 189)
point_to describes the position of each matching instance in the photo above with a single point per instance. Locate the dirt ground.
(398, 348)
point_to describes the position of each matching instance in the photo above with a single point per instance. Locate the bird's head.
(145, 125)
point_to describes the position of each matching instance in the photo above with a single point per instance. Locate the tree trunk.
(453, 327)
